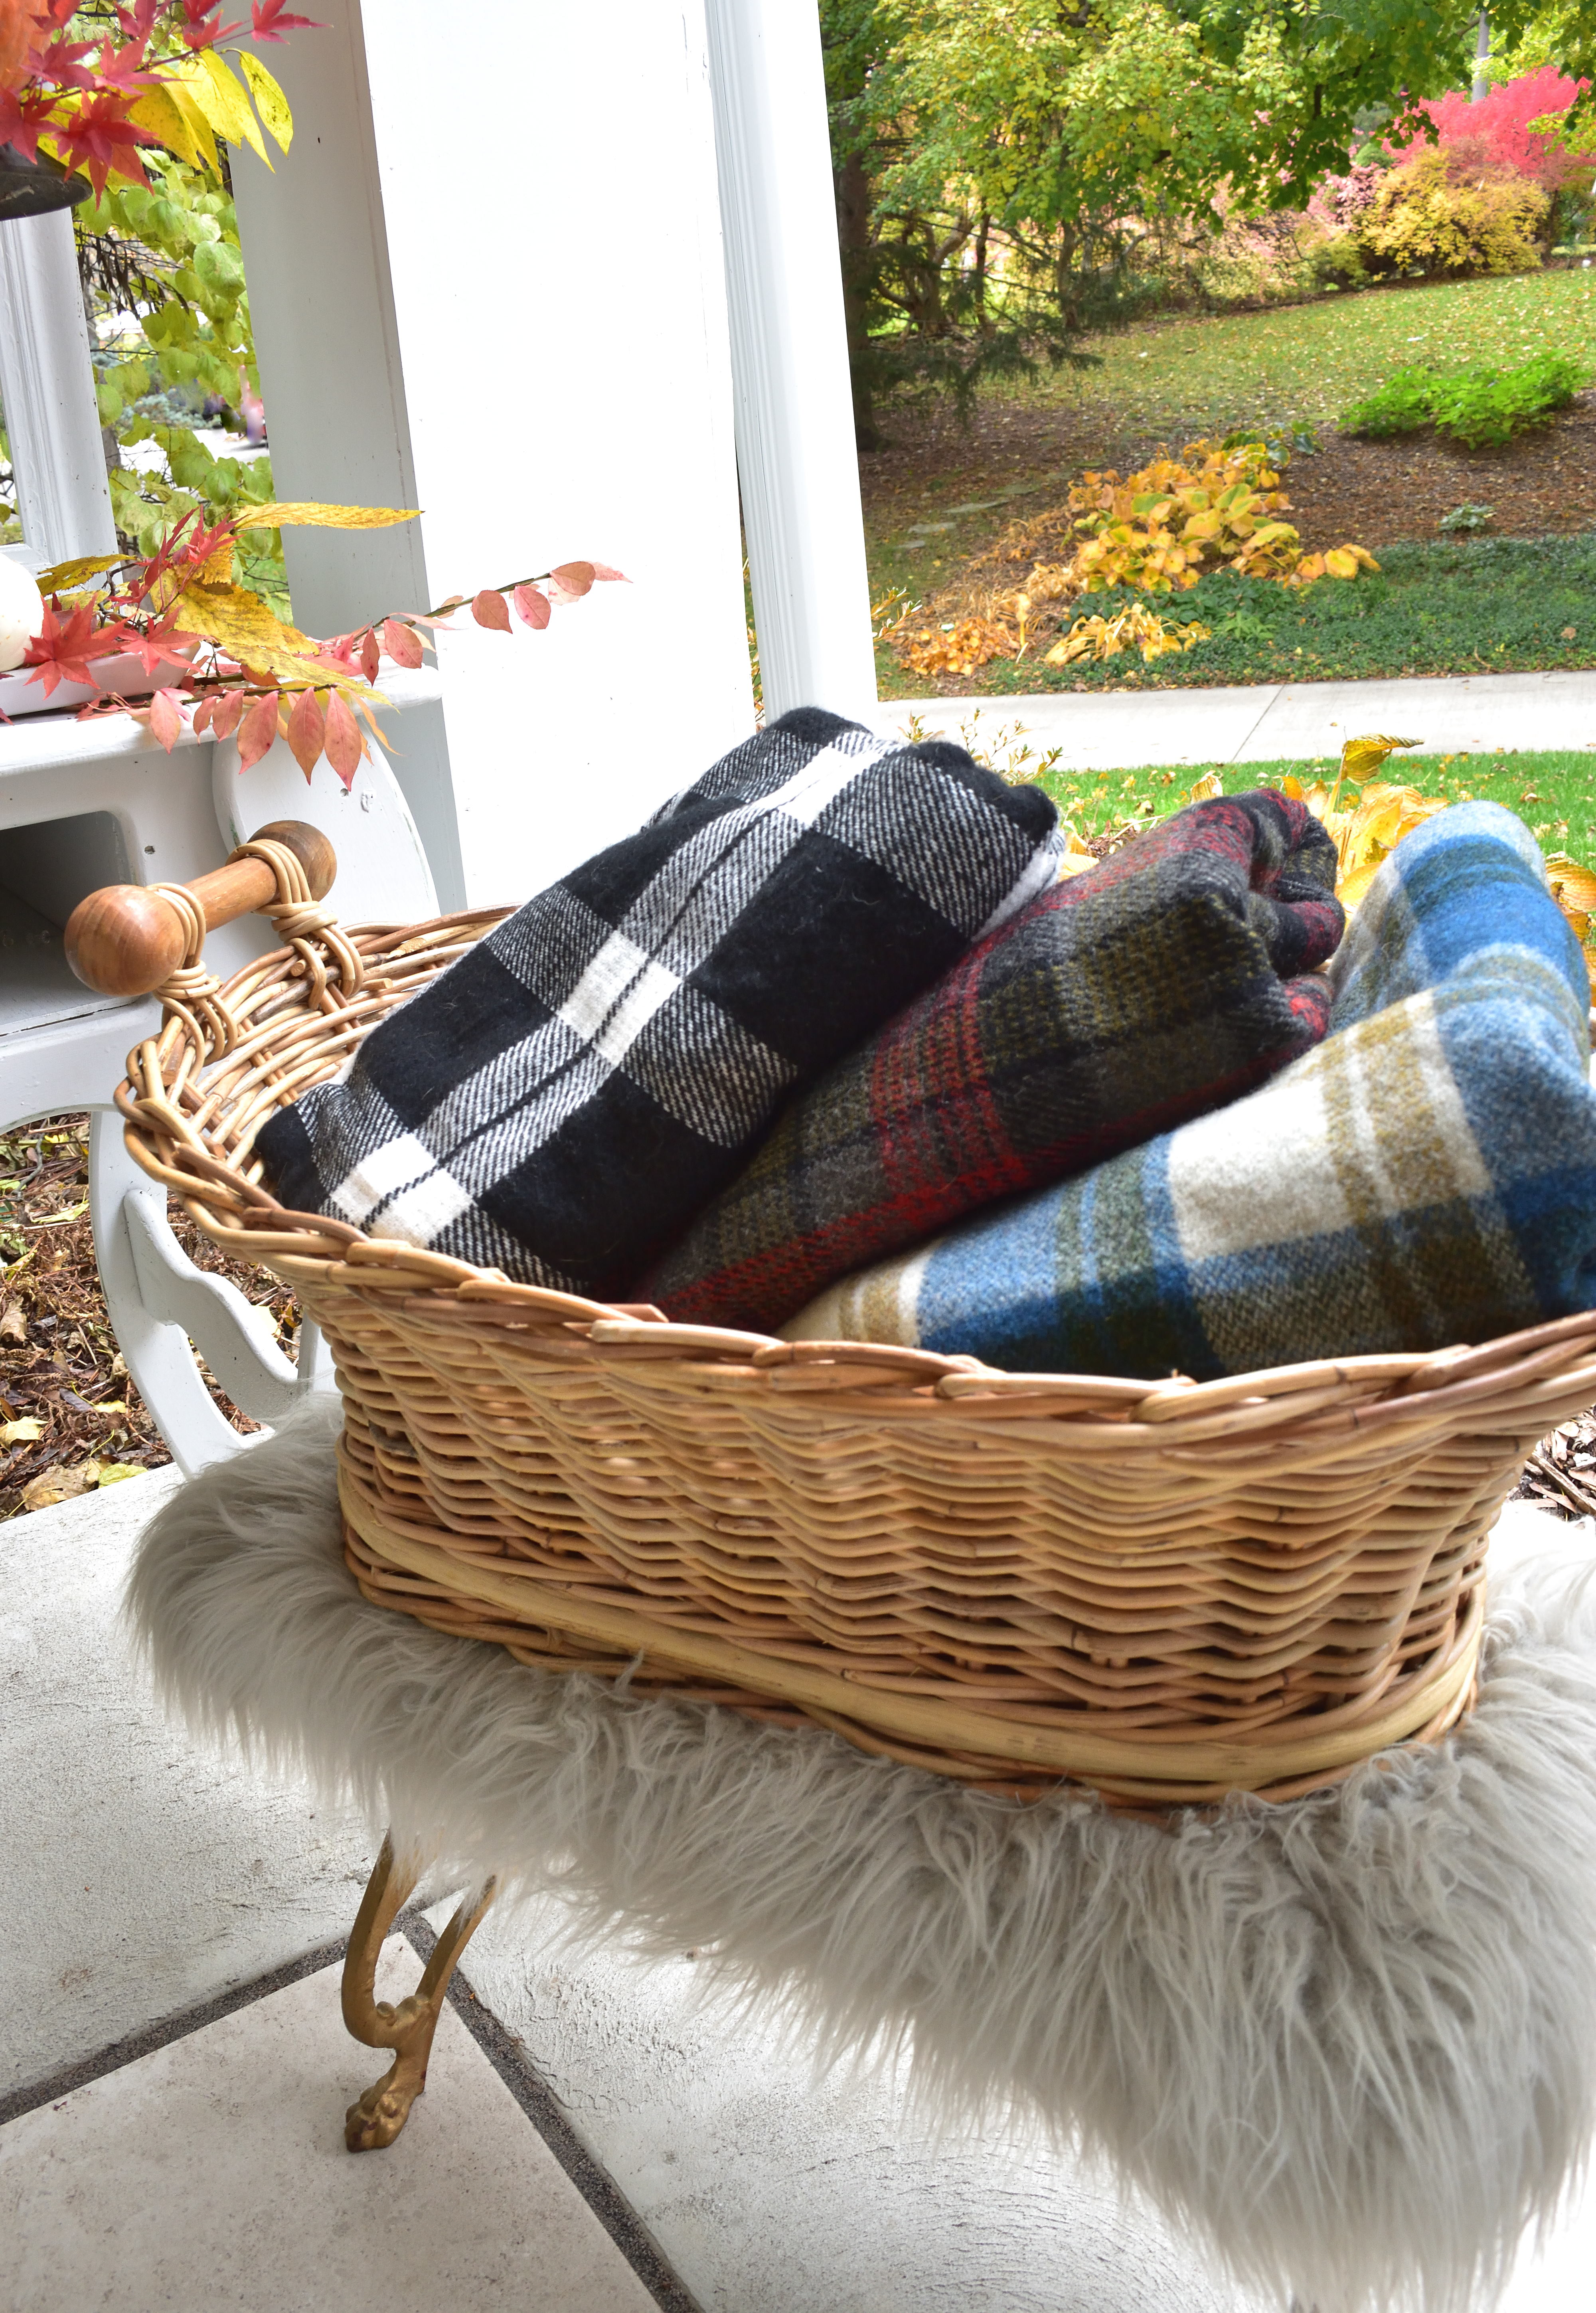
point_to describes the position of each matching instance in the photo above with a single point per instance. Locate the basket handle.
(127, 939)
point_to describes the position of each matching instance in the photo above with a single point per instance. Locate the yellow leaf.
(1202, 791)
(216, 570)
(1076, 863)
(1362, 758)
(1573, 886)
(309, 515)
(111, 1474)
(233, 614)
(240, 622)
(158, 111)
(222, 100)
(203, 143)
(269, 98)
(1341, 562)
(61, 574)
(21, 1433)
(1292, 786)
(1351, 889)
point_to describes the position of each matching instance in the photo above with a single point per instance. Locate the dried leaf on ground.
(70, 1416)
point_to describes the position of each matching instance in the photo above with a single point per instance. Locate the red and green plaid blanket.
(1158, 985)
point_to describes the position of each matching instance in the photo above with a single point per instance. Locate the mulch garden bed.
(61, 1375)
(1374, 493)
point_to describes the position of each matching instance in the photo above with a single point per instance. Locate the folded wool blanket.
(1143, 993)
(1427, 1176)
(558, 1103)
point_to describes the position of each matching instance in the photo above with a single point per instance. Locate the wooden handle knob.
(126, 939)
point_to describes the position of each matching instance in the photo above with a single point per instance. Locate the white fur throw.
(1352, 2039)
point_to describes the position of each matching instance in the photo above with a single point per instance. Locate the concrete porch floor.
(174, 2071)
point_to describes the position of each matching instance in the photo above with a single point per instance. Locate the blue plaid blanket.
(1427, 1176)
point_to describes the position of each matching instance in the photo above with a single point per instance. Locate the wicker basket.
(1168, 1591)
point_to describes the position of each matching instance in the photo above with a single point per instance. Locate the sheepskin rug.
(1351, 2040)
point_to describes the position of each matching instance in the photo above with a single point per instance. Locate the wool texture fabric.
(1349, 2041)
(1176, 975)
(561, 1100)
(1426, 1176)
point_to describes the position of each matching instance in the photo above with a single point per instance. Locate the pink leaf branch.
(320, 711)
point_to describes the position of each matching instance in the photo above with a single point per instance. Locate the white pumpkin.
(22, 612)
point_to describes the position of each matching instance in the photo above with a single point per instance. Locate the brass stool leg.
(377, 2118)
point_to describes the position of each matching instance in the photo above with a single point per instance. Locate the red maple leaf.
(154, 647)
(124, 68)
(61, 62)
(60, 653)
(197, 33)
(21, 119)
(271, 23)
(99, 137)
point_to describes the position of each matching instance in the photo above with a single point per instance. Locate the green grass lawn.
(1308, 362)
(1441, 607)
(1553, 793)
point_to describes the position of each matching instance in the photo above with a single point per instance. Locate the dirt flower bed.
(70, 1417)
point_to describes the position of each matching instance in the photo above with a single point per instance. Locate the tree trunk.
(852, 230)
(978, 284)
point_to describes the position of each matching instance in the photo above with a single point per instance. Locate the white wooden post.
(487, 280)
(796, 453)
(46, 387)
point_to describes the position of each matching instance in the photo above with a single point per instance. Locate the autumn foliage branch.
(238, 671)
(162, 81)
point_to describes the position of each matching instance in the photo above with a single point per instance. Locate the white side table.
(85, 804)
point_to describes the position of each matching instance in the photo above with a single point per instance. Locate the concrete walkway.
(1269, 722)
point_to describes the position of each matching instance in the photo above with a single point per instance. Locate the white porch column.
(47, 388)
(487, 281)
(795, 450)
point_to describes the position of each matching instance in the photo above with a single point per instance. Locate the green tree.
(169, 254)
(1060, 134)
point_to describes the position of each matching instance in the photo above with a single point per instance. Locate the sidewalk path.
(1268, 722)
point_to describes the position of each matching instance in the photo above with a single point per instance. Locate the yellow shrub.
(1158, 530)
(1154, 533)
(959, 648)
(1136, 628)
(1435, 212)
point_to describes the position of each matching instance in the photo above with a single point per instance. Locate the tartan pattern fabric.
(560, 1101)
(1426, 1176)
(1139, 994)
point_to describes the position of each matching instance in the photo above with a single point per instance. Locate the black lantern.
(33, 188)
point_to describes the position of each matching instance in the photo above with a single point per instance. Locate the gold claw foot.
(376, 2118)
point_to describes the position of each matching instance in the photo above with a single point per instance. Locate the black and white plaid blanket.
(561, 1101)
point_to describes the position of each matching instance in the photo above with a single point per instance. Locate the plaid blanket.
(1427, 1176)
(1116, 1005)
(560, 1101)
